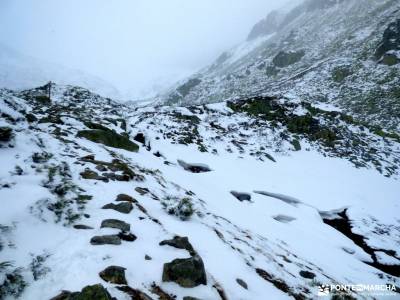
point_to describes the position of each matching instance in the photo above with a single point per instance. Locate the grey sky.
(133, 44)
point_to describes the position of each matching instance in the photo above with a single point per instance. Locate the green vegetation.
(109, 138)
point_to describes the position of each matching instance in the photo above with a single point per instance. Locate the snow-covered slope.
(275, 196)
(339, 52)
(19, 71)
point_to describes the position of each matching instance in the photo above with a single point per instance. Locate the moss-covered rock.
(390, 59)
(340, 73)
(109, 138)
(89, 292)
(188, 272)
(284, 59)
(114, 274)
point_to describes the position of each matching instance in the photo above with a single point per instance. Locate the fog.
(138, 46)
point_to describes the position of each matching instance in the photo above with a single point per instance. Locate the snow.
(264, 233)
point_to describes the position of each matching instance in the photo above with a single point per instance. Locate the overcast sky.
(133, 44)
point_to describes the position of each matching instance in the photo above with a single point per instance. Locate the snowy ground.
(235, 239)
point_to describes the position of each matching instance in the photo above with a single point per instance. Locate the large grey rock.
(123, 207)
(117, 224)
(187, 272)
(111, 239)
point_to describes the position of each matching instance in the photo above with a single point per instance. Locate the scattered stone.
(92, 175)
(124, 197)
(142, 191)
(194, 168)
(123, 207)
(307, 274)
(140, 138)
(187, 272)
(128, 237)
(111, 239)
(81, 226)
(162, 295)
(180, 243)
(6, 134)
(88, 157)
(241, 196)
(113, 274)
(147, 257)
(284, 218)
(190, 298)
(242, 283)
(41, 158)
(133, 293)
(89, 292)
(114, 223)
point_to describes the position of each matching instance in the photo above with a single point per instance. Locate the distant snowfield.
(264, 232)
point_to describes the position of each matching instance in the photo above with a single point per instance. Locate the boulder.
(187, 272)
(111, 239)
(128, 237)
(113, 274)
(140, 138)
(117, 224)
(89, 292)
(123, 207)
(92, 175)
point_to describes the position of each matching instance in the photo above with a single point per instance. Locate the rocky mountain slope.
(266, 197)
(344, 53)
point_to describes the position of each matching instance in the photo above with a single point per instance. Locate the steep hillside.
(260, 198)
(344, 53)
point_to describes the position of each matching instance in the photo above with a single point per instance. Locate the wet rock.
(307, 274)
(111, 239)
(194, 168)
(241, 196)
(89, 292)
(114, 274)
(123, 207)
(180, 243)
(128, 237)
(133, 293)
(6, 134)
(188, 272)
(81, 226)
(117, 224)
(242, 283)
(124, 197)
